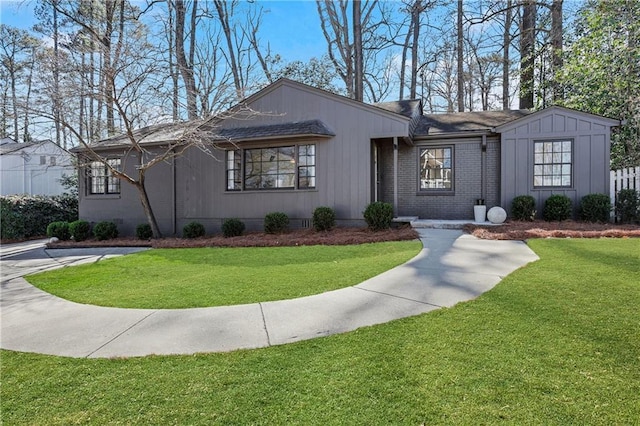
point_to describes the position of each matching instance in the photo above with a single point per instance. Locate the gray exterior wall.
(125, 209)
(456, 204)
(591, 154)
(343, 169)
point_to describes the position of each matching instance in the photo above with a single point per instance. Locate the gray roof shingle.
(408, 108)
(162, 133)
(461, 122)
(298, 128)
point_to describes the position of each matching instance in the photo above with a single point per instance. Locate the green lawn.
(199, 277)
(557, 342)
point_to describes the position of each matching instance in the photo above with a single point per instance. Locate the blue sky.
(292, 28)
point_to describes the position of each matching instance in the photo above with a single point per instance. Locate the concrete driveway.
(451, 268)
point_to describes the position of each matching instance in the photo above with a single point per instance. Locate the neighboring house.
(33, 168)
(312, 148)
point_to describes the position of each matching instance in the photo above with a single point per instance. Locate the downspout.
(483, 171)
(395, 175)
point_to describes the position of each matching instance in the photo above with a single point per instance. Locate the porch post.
(483, 168)
(395, 175)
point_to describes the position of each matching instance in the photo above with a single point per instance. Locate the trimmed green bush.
(12, 222)
(79, 230)
(628, 206)
(25, 216)
(59, 230)
(523, 207)
(193, 230)
(595, 208)
(379, 215)
(144, 232)
(232, 228)
(276, 222)
(324, 218)
(105, 230)
(557, 208)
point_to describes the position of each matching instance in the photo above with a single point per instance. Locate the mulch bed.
(342, 236)
(301, 237)
(516, 230)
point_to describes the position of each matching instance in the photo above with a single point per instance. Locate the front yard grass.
(199, 277)
(556, 342)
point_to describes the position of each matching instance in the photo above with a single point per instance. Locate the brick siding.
(457, 204)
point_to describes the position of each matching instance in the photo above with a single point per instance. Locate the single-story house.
(33, 168)
(301, 148)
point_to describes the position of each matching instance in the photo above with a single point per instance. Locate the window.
(100, 178)
(52, 161)
(436, 168)
(43, 160)
(283, 167)
(307, 166)
(234, 177)
(552, 163)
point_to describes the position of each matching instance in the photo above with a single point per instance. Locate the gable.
(557, 120)
(286, 102)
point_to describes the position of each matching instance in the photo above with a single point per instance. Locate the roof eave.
(451, 135)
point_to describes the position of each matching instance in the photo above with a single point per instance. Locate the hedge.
(26, 216)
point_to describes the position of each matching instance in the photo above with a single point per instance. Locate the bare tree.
(17, 48)
(556, 47)
(358, 72)
(460, 56)
(527, 53)
(347, 46)
(506, 59)
(185, 65)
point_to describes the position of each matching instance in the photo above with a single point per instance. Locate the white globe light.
(496, 215)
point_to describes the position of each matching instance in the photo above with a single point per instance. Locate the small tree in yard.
(125, 88)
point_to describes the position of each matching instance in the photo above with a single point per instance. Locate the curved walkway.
(452, 267)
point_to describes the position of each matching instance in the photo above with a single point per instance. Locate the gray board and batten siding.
(589, 136)
(194, 187)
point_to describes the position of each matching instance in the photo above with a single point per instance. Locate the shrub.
(105, 230)
(232, 228)
(379, 215)
(523, 207)
(324, 218)
(193, 230)
(59, 230)
(144, 232)
(12, 223)
(557, 208)
(276, 222)
(25, 216)
(595, 208)
(79, 230)
(628, 205)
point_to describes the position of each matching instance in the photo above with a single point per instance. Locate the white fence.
(628, 178)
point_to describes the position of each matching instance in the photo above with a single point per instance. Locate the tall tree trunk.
(172, 65)
(506, 61)
(25, 133)
(186, 68)
(14, 101)
(527, 53)
(556, 48)
(415, 23)
(56, 75)
(460, 54)
(403, 65)
(223, 16)
(357, 52)
(109, 76)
